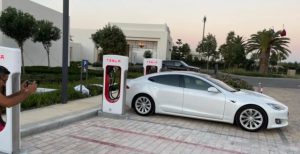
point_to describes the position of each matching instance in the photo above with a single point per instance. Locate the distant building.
(34, 53)
(140, 37)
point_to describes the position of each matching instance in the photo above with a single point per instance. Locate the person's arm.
(14, 99)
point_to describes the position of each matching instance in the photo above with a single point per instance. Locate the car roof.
(170, 60)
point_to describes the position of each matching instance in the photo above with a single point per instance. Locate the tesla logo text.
(2, 57)
(110, 60)
(151, 62)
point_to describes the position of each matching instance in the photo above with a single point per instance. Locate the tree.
(111, 39)
(18, 26)
(233, 51)
(46, 33)
(147, 54)
(181, 51)
(266, 41)
(273, 59)
(175, 55)
(189, 59)
(207, 47)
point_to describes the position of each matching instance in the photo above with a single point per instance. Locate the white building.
(34, 53)
(82, 46)
(140, 37)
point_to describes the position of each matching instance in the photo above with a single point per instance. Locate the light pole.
(64, 89)
(204, 21)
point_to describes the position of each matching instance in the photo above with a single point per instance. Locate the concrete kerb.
(113, 116)
(54, 123)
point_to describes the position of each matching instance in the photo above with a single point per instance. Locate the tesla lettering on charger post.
(152, 65)
(10, 134)
(115, 74)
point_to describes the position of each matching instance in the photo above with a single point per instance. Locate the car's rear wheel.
(252, 118)
(143, 105)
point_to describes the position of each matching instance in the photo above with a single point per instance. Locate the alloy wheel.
(251, 119)
(143, 105)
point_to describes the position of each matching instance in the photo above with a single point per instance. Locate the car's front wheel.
(252, 118)
(143, 105)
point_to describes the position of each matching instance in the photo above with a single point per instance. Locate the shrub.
(133, 75)
(147, 54)
(97, 64)
(138, 68)
(50, 98)
(235, 82)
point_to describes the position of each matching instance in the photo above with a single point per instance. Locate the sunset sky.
(185, 17)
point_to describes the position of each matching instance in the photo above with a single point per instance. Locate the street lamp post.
(64, 90)
(204, 21)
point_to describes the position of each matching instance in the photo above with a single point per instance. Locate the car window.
(184, 64)
(195, 83)
(222, 85)
(170, 80)
(167, 63)
(177, 63)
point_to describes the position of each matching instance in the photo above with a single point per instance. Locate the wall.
(75, 51)
(149, 32)
(34, 53)
(83, 36)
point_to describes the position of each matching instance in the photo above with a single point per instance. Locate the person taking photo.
(15, 98)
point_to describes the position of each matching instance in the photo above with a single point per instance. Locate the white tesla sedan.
(195, 95)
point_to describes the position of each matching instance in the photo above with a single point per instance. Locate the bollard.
(260, 88)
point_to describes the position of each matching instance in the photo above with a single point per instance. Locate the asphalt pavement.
(271, 82)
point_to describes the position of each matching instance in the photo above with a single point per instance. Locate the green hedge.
(235, 82)
(50, 98)
(73, 69)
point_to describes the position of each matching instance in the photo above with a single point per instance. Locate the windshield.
(221, 84)
(184, 64)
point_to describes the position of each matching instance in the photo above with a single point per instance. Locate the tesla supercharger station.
(152, 65)
(115, 74)
(10, 135)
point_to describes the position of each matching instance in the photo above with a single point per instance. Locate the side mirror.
(213, 90)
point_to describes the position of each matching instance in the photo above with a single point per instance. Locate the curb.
(58, 122)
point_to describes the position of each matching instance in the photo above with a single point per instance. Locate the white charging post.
(10, 135)
(114, 83)
(152, 65)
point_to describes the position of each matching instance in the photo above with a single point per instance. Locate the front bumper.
(278, 119)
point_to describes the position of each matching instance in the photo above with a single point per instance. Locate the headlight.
(276, 106)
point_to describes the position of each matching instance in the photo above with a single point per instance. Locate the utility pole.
(204, 21)
(64, 89)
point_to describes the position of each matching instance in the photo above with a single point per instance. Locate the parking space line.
(109, 144)
(168, 139)
(181, 127)
(283, 137)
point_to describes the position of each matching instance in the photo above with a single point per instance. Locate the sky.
(185, 17)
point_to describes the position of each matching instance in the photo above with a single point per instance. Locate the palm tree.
(264, 42)
(233, 51)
